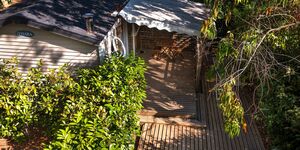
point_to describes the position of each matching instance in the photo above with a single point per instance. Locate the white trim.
(160, 25)
(133, 40)
(104, 47)
(179, 16)
(125, 35)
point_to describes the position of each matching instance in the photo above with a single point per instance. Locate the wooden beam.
(199, 54)
(172, 121)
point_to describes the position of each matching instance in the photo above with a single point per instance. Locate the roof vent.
(89, 22)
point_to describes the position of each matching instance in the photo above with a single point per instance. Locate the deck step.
(172, 121)
(165, 113)
(170, 137)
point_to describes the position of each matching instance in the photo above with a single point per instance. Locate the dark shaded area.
(65, 17)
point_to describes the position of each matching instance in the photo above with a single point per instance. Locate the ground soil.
(35, 141)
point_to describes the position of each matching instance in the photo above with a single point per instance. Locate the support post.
(199, 51)
(109, 43)
(125, 35)
(133, 39)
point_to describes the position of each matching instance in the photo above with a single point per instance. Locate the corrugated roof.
(181, 16)
(65, 16)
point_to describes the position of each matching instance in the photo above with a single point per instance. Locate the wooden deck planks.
(209, 137)
(173, 142)
(170, 86)
(169, 137)
(212, 137)
(250, 140)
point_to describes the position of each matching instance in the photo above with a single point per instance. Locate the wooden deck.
(170, 86)
(171, 137)
(212, 137)
(170, 93)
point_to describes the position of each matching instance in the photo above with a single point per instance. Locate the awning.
(179, 16)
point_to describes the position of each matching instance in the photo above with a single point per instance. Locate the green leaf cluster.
(281, 108)
(231, 108)
(262, 40)
(93, 108)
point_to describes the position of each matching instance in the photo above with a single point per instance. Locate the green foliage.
(226, 50)
(263, 38)
(14, 107)
(281, 112)
(231, 108)
(96, 109)
(105, 113)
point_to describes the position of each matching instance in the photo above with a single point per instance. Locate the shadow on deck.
(171, 93)
(209, 137)
(170, 86)
(212, 137)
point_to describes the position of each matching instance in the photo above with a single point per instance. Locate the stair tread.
(172, 121)
(167, 113)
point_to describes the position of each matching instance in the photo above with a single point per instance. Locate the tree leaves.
(96, 109)
(232, 109)
(266, 39)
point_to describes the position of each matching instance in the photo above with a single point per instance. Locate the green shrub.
(95, 109)
(281, 112)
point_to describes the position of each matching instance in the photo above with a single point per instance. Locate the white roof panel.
(180, 16)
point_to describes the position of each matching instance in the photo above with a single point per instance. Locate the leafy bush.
(232, 109)
(95, 109)
(281, 112)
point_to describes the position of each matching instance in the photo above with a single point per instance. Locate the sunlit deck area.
(186, 137)
(170, 86)
(171, 93)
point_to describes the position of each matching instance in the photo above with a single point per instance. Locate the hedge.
(93, 109)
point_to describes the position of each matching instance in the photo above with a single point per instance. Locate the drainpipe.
(105, 48)
(124, 50)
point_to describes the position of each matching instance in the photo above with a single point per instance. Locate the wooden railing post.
(199, 55)
(4, 145)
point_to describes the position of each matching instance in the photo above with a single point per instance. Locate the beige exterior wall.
(54, 50)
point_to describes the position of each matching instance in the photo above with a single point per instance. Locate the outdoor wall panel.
(54, 50)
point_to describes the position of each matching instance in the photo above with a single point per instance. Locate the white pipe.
(122, 45)
(133, 39)
(105, 51)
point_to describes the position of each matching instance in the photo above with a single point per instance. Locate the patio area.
(170, 136)
(170, 86)
(206, 134)
(156, 28)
